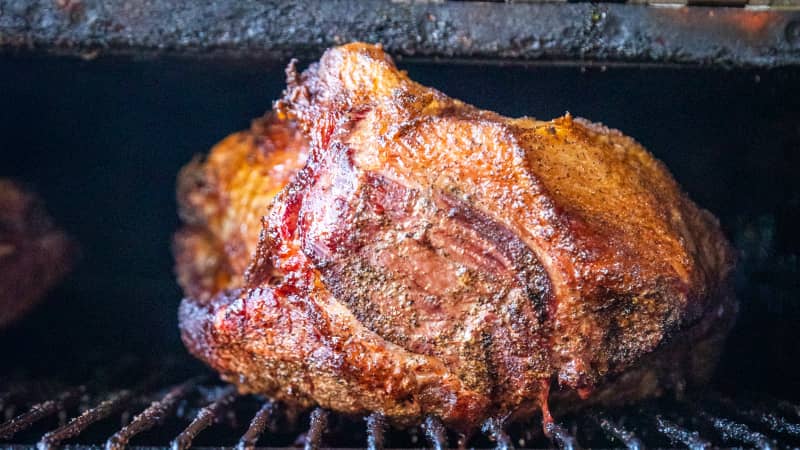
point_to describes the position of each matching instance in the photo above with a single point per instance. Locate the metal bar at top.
(507, 32)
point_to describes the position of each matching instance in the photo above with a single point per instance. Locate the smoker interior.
(102, 140)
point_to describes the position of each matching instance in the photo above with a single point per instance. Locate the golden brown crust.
(223, 198)
(434, 258)
(34, 254)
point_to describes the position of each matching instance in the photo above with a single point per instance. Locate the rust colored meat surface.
(223, 198)
(431, 258)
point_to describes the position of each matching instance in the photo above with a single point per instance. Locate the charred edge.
(195, 321)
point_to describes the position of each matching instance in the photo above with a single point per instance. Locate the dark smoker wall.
(102, 142)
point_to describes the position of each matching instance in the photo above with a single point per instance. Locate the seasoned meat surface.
(223, 198)
(432, 258)
(34, 254)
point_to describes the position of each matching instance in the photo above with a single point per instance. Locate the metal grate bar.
(755, 412)
(376, 425)
(496, 432)
(41, 410)
(561, 437)
(76, 426)
(436, 433)
(257, 426)
(775, 423)
(681, 435)
(757, 422)
(615, 431)
(204, 419)
(737, 431)
(318, 423)
(153, 415)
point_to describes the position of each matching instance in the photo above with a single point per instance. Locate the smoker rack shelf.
(761, 35)
(197, 405)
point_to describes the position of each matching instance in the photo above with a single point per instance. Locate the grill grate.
(436, 434)
(196, 406)
(76, 426)
(376, 424)
(614, 431)
(497, 433)
(151, 416)
(257, 426)
(40, 411)
(680, 435)
(205, 418)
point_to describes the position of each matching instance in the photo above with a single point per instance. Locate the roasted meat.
(34, 254)
(432, 258)
(223, 199)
